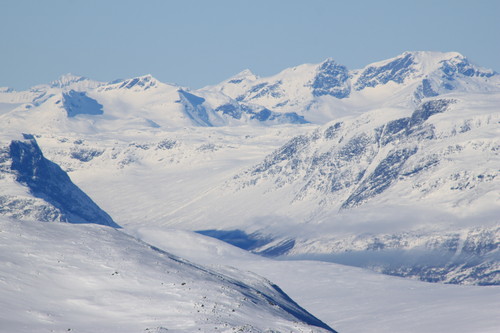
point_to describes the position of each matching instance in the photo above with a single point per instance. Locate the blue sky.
(200, 42)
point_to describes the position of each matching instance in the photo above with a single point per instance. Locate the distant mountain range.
(320, 92)
(381, 167)
(307, 93)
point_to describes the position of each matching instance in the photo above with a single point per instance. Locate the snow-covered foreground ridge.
(348, 298)
(320, 161)
(90, 278)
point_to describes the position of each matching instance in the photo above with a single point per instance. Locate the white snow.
(151, 169)
(58, 277)
(350, 299)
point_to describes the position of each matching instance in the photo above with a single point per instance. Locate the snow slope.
(88, 278)
(140, 177)
(350, 299)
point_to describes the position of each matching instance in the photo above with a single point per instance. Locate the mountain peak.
(329, 60)
(458, 64)
(429, 61)
(141, 82)
(395, 69)
(245, 75)
(331, 79)
(434, 54)
(70, 81)
(6, 90)
(447, 66)
(66, 80)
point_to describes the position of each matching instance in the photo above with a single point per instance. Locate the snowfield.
(350, 299)
(91, 278)
(59, 277)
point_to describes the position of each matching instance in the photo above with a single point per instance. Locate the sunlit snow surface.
(351, 299)
(91, 278)
(375, 169)
(58, 277)
(229, 178)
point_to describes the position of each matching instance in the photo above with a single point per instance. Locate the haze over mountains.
(392, 167)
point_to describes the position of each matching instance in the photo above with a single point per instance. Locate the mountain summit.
(70, 81)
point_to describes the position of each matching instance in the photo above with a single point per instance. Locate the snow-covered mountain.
(322, 92)
(392, 167)
(34, 188)
(355, 161)
(74, 104)
(401, 155)
(315, 93)
(422, 184)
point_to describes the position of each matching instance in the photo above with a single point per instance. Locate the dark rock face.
(85, 155)
(342, 167)
(264, 89)
(427, 110)
(144, 82)
(425, 89)
(386, 172)
(412, 127)
(199, 114)
(236, 111)
(332, 79)
(396, 71)
(292, 118)
(46, 180)
(462, 66)
(262, 115)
